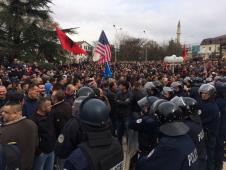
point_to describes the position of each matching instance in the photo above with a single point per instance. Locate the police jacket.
(101, 151)
(61, 113)
(148, 133)
(69, 138)
(171, 154)
(196, 133)
(210, 116)
(46, 133)
(221, 102)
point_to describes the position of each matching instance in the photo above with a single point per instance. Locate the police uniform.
(196, 133)
(221, 102)
(190, 114)
(210, 120)
(69, 138)
(148, 133)
(171, 152)
(100, 150)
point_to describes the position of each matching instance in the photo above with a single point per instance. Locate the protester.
(20, 130)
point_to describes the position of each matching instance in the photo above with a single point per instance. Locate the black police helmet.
(155, 105)
(170, 126)
(192, 109)
(94, 112)
(85, 91)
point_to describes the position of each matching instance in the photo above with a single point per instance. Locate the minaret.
(178, 33)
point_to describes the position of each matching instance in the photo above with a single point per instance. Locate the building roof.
(216, 40)
(81, 42)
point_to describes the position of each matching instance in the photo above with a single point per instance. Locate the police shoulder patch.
(60, 138)
(151, 153)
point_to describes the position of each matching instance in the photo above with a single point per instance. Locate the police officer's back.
(210, 120)
(190, 114)
(100, 150)
(176, 150)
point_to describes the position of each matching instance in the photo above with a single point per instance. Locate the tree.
(174, 48)
(26, 31)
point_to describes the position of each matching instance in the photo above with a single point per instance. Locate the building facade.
(86, 46)
(211, 48)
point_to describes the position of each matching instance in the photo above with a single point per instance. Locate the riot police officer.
(178, 90)
(221, 102)
(210, 120)
(71, 134)
(190, 115)
(167, 93)
(146, 126)
(99, 150)
(171, 152)
(151, 89)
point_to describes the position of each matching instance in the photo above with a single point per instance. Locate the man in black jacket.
(123, 100)
(45, 151)
(61, 111)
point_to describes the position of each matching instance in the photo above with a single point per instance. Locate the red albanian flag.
(184, 53)
(68, 44)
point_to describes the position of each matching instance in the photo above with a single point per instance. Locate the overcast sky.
(199, 18)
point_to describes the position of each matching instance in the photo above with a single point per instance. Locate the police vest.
(102, 151)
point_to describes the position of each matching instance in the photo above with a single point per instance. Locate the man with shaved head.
(20, 130)
(69, 94)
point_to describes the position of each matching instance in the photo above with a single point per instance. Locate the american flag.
(102, 49)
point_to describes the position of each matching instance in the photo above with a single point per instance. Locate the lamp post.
(116, 32)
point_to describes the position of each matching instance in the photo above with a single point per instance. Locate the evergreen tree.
(26, 31)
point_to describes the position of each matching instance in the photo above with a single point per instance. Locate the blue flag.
(107, 70)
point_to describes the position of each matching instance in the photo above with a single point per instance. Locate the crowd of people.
(74, 117)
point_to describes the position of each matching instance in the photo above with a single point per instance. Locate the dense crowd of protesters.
(39, 111)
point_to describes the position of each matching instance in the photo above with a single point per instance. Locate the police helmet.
(187, 81)
(94, 112)
(207, 88)
(209, 79)
(158, 85)
(220, 89)
(197, 81)
(85, 91)
(155, 106)
(146, 101)
(76, 105)
(174, 85)
(168, 116)
(189, 107)
(150, 88)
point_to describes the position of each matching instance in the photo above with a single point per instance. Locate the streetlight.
(116, 44)
(146, 50)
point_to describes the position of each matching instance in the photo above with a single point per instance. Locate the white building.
(85, 46)
(211, 47)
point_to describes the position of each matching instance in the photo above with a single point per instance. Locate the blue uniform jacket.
(145, 124)
(76, 161)
(171, 154)
(210, 116)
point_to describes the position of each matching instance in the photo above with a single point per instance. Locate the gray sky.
(199, 18)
